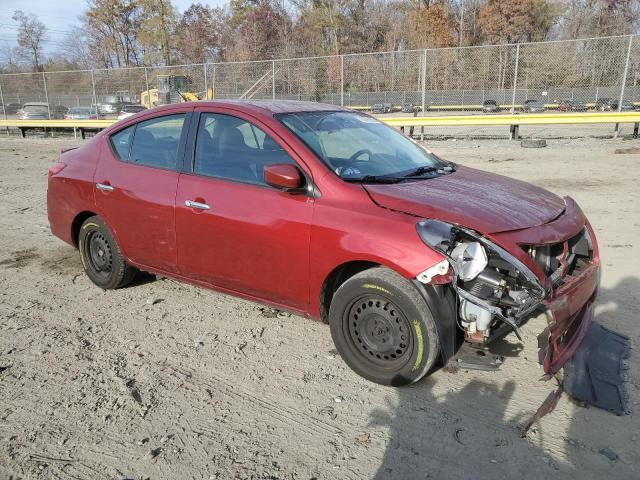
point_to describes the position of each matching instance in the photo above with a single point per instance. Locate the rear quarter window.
(156, 141)
(121, 142)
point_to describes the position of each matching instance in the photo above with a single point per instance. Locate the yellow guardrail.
(513, 120)
(57, 123)
(506, 107)
(517, 119)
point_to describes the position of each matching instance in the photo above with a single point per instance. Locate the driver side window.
(231, 148)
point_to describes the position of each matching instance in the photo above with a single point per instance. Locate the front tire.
(383, 328)
(101, 257)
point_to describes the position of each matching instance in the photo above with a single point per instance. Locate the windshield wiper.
(429, 169)
(373, 179)
(421, 171)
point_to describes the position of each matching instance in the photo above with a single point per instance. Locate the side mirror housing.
(283, 176)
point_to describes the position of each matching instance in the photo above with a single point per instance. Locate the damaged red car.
(331, 214)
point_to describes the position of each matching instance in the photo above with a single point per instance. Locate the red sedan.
(329, 213)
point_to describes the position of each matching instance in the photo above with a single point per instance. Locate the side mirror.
(283, 176)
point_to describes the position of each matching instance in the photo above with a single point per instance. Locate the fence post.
(342, 80)
(515, 80)
(4, 106)
(213, 82)
(424, 89)
(46, 94)
(146, 84)
(204, 67)
(93, 93)
(273, 79)
(624, 75)
(622, 85)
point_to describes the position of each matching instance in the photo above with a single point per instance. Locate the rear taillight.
(93, 117)
(56, 169)
(67, 117)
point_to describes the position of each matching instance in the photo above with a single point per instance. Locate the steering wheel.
(360, 152)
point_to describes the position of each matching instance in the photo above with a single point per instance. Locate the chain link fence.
(447, 79)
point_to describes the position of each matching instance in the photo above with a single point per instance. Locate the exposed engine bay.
(496, 291)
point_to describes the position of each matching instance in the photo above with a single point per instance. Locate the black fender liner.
(442, 302)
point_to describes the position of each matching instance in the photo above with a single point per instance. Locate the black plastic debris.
(610, 454)
(597, 372)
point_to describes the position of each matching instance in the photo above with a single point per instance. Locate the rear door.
(136, 183)
(241, 234)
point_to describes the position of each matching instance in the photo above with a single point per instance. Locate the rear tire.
(383, 328)
(101, 257)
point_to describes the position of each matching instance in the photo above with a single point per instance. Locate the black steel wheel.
(101, 257)
(383, 328)
(379, 330)
(99, 254)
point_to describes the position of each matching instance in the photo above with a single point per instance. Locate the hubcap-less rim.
(99, 255)
(379, 331)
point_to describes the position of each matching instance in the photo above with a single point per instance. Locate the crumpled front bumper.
(571, 310)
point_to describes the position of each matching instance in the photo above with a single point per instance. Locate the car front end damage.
(501, 278)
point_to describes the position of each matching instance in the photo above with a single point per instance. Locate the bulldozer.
(172, 89)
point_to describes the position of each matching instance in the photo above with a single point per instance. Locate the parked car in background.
(34, 111)
(571, 106)
(381, 108)
(533, 106)
(490, 106)
(112, 105)
(41, 111)
(58, 112)
(626, 106)
(10, 108)
(128, 110)
(606, 104)
(332, 214)
(409, 108)
(81, 113)
(610, 104)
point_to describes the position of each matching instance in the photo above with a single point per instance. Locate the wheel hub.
(99, 253)
(379, 330)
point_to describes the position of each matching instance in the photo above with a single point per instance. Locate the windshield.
(357, 146)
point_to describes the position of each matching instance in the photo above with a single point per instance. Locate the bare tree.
(31, 36)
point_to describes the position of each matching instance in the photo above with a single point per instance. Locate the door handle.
(104, 187)
(198, 205)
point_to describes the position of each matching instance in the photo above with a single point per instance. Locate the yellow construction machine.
(172, 89)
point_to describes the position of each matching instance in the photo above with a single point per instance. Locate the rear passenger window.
(121, 142)
(231, 148)
(156, 141)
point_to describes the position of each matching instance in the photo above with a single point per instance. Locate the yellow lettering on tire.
(90, 224)
(376, 287)
(418, 329)
(84, 265)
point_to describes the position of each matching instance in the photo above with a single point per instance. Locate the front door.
(234, 231)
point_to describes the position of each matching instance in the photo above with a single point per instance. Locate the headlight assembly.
(498, 285)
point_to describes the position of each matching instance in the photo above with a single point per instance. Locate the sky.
(59, 16)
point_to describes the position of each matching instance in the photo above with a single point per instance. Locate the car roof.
(265, 107)
(37, 104)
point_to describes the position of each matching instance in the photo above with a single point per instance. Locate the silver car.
(34, 111)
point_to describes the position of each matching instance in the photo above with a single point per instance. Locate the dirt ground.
(164, 380)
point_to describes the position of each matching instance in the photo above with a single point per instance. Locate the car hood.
(482, 201)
